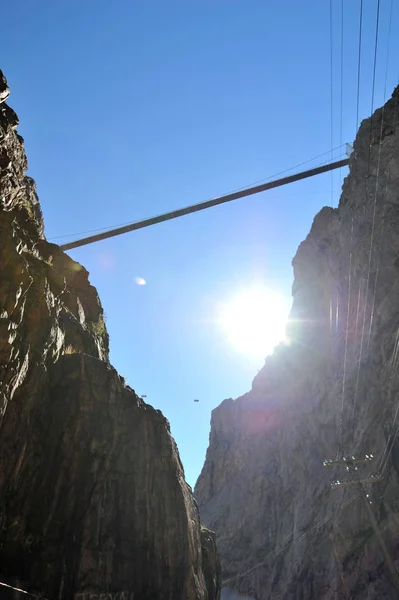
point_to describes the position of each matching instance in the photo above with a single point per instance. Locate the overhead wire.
(378, 164)
(359, 64)
(388, 49)
(395, 353)
(348, 307)
(350, 259)
(387, 451)
(375, 54)
(331, 95)
(342, 81)
(374, 210)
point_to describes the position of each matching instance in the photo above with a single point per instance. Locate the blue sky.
(130, 109)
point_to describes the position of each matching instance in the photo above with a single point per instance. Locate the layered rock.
(282, 532)
(93, 501)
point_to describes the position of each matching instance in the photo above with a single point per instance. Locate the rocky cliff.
(93, 501)
(282, 531)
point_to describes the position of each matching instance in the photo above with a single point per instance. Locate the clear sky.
(131, 108)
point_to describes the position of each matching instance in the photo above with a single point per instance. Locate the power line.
(181, 212)
(305, 162)
(393, 366)
(358, 64)
(394, 358)
(351, 240)
(372, 235)
(342, 78)
(375, 55)
(331, 93)
(388, 50)
(390, 442)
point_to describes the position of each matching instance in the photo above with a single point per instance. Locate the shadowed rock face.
(281, 531)
(93, 501)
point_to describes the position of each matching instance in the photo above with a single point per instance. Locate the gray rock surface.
(4, 90)
(282, 532)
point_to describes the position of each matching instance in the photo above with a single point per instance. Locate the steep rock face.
(93, 501)
(282, 532)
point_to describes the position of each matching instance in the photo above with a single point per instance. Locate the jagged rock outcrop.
(282, 532)
(93, 501)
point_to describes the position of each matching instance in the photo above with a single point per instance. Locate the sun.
(255, 320)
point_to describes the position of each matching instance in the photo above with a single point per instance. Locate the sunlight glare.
(255, 321)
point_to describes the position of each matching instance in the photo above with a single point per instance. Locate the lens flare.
(255, 321)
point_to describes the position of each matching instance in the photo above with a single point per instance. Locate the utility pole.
(352, 465)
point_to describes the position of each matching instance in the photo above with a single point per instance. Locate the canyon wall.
(283, 533)
(93, 500)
